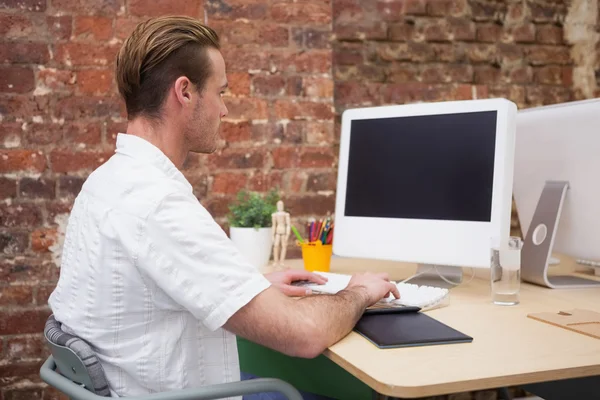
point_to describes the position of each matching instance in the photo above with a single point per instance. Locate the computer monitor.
(429, 183)
(557, 189)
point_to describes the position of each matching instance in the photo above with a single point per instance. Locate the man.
(147, 276)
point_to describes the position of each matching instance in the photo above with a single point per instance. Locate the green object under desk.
(318, 375)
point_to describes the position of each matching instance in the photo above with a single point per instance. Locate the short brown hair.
(157, 52)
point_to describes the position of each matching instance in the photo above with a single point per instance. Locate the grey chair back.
(74, 369)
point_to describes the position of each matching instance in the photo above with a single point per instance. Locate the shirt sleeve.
(187, 254)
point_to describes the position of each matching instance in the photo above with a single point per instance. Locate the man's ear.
(183, 90)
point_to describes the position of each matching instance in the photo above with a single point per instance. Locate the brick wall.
(59, 110)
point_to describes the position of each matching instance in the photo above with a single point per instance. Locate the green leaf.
(253, 210)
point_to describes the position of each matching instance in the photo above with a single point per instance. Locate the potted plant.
(250, 225)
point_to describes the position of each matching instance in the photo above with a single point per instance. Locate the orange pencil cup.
(316, 256)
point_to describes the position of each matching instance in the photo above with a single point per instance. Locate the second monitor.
(426, 183)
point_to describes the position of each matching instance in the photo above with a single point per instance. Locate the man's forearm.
(334, 315)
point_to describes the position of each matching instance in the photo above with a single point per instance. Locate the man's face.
(202, 133)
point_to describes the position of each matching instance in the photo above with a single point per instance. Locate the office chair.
(81, 376)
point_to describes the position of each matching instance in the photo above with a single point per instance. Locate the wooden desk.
(508, 348)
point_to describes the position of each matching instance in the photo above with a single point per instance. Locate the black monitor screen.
(437, 167)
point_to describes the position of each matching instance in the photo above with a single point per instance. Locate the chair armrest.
(210, 392)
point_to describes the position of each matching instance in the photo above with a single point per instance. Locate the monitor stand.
(429, 275)
(539, 241)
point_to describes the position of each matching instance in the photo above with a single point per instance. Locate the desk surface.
(508, 348)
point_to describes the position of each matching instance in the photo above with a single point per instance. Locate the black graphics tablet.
(407, 329)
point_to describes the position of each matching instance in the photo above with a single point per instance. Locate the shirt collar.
(136, 147)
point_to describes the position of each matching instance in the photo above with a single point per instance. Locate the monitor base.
(443, 276)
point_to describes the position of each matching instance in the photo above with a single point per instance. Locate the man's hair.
(158, 52)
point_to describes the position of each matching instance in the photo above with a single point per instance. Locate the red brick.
(69, 186)
(521, 75)
(319, 132)
(509, 53)
(95, 81)
(93, 28)
(433, 74)
(321, 181)
(549, 34)
(308, 205)
(239, 83)
(44, 133)
(302, 110)
(43, 293)
(262, 182)
(401, 72)
(293, 132)
(236, 132)
(8, 188)
(23, 321)
(52, 79)
(236, 158)
(82, 133)
(229, 182)
(552, 75)
(481, 52)
(20, 215)
(54, 209)
(415, 7)
(302, 13)
(69, 161)
(401, 32)
(14, 296)
(264, 131)
(295, 181)
(241, 59)
(317, 87)
(490, 32)
(89, 7)
(242, 32)
(523, 33)
(59, 27)
(22, 160)
(81, 54)
(285, 157)
(24, 53)
(348, 54)
(447, 8)
(514, 93)
(43, 239)
(41, 188)
(26, 270)
(515, 13)
(310, 61)
(362, 30)
(317, 157)
(13, 243)
(486, 11)
(14, 26)
(246, 108)
(125, 25)
(312, 38)
(486, 74)
(30, 346)
(80, 107)
(273, 35)
(24, 5)
(24, 107)
(540, 55)
(21, 369)
(234, 9)
(544, 12)
(357, 93)
(268, 85)
(347, 11)
(435, 31)
(154, 8)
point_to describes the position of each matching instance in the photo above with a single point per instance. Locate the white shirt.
(148, 277)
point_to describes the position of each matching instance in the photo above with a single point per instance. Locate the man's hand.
(282, 280)
(374, 286)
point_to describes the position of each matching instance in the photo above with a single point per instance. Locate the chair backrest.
(75, 359)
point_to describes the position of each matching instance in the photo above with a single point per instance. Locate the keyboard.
(424, 297)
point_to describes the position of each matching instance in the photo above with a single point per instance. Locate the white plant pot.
(254, 244)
